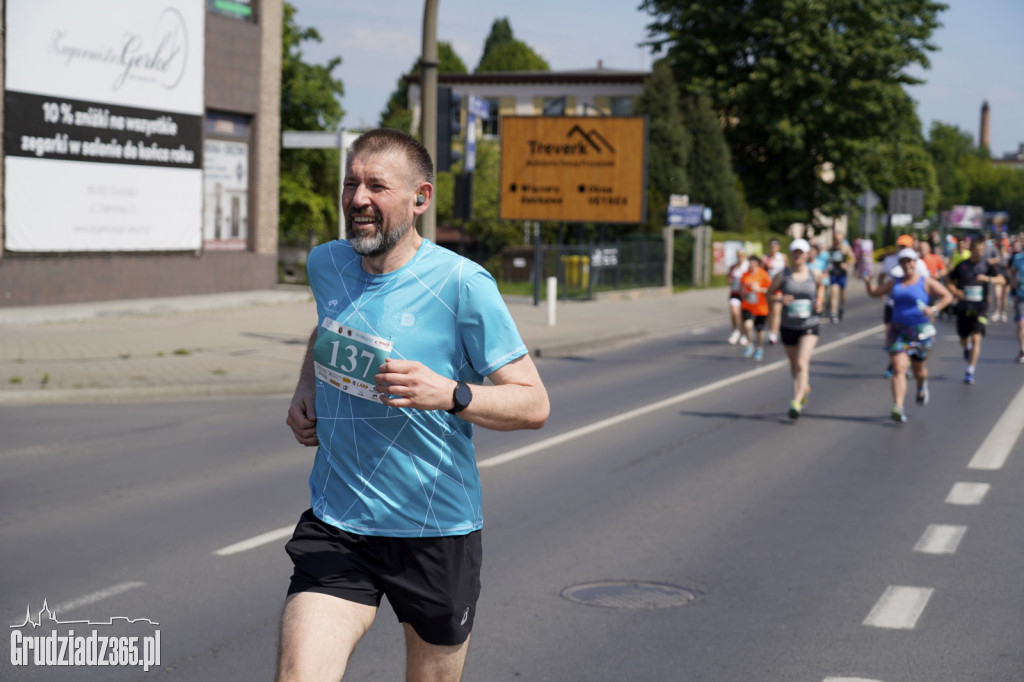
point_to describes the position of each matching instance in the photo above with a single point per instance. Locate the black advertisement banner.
(58, 128)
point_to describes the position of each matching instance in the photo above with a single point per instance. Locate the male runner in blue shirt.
(389, 391)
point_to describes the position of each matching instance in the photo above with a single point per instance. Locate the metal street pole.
(428, 112)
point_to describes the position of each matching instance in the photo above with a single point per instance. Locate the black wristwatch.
(462, 397)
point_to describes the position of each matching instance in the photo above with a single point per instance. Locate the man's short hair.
(385, 140)
(755, 257)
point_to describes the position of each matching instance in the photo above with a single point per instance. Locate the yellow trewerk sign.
(573, 168)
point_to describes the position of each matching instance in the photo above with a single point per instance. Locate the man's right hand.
(302, 419)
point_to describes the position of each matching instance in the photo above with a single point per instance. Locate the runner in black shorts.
(435, 593)
(803, 294)
(969, 283)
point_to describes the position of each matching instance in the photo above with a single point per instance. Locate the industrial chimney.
(983, 137)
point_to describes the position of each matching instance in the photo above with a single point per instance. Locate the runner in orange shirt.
(754, 304)
(934, 262)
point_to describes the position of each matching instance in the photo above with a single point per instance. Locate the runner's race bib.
(751, 297)
(348, 359)
(800, 308)
(974, 293)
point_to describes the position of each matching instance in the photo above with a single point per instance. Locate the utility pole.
(428, 110)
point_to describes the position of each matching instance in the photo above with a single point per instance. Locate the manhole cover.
(629, 595)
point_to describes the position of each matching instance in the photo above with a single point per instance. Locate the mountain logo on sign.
(593, 138)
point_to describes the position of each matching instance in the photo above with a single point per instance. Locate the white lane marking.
(98, 595)
(938, 539)
(849, 679)
(992, 453)
(899, 608)
(967, 493)
(253, 542)
(661, 404)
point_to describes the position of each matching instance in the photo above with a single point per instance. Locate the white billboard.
(103, 113)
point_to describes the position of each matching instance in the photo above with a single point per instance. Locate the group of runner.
(785, 298)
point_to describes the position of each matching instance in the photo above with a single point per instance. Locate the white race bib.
(348, 359)
(974, 293)
(800, 308)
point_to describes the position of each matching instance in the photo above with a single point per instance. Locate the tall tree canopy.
(956, 160)
(502, 52)
(668, 143)
(713, 182)
(310, 100)
(966, 175)
(798, 84)
(396, 114)
(501, 33)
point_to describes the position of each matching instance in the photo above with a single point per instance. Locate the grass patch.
(182, 351)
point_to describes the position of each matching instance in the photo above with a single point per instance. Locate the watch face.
(463, 395)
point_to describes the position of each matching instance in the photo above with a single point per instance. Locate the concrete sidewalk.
(253, 342)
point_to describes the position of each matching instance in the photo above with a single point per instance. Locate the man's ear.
(421, 202)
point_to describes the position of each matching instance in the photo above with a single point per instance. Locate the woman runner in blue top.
(912, 328)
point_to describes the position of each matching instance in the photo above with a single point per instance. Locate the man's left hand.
(405, 383)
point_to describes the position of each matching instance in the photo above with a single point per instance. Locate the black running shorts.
(431, 583)
(791, 337)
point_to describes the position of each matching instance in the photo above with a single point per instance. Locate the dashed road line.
(938, 539)
(899, 607)
(256, 541)
(98, 595)
(967, 493)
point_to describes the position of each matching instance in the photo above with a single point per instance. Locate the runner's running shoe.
(969, 377)
(923, 395)
(897, 414)
(734, 337)
(759, 355)
(748, 351)
(1020, 358)
(794, 409)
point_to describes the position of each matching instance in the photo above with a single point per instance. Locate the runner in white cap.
(802, 297)
(912, 327)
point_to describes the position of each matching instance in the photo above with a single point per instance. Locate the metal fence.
(583, 270)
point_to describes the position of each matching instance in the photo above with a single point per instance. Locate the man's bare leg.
(432, 663)
(318, 634)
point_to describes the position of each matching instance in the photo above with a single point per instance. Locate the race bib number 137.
(348, 359)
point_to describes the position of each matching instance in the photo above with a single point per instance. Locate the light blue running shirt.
(401, 472)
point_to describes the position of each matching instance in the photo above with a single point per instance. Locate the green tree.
(512, 56)
(955, 156)
(502, 52)
(713, 182)
(310, 100)
(799, 84)
(501, 33)
(396, 113)
(668, 143)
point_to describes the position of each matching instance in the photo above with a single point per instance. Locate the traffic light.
(449, 126)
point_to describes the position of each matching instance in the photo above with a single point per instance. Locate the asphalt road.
(726, 541)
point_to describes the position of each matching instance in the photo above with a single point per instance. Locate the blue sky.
(978, 57)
